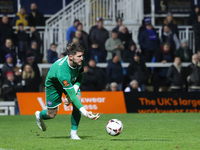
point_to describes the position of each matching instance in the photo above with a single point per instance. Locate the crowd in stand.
(101, 46)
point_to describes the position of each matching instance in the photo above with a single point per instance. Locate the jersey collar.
(70, 65)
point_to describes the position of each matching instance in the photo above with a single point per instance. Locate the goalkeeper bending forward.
(65, 75)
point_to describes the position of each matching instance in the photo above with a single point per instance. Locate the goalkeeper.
(65, 75)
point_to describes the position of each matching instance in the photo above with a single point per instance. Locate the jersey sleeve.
(64, 78)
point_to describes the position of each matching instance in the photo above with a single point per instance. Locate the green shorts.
(54, 97)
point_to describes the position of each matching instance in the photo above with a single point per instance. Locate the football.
(114, 127)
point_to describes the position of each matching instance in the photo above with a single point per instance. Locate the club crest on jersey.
(65, 83)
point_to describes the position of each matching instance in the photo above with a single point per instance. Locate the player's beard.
(76, 63)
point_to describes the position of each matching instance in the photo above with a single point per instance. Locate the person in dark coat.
(162, 55)
(100, 34)
(193, 15)
(99, 74)
(175, 76)
(124, 36)
(35, 36)
(6, 31)
(52, 55)
(114, 71)
(8, 48)
(89, 80)
(35, 52)
(184, 52)
(149, 42)
(35, 18)
(137, 71)
(196, 28)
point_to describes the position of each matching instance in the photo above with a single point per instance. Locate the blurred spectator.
(184, 52)
(10, 87)
(72, 29)
(23, 42)
(8, 48)
(35, 18)
(142, 28)
(113, 87)
(74, 40)
(35, 52)
(89, 80)
(100, 34)
(78, 35)
(114, 71)
(196, 28)
(52, 55)
(95, 53)
(193, 15)
(169, 20)
(169, 37)
(137, 71)
(31, 61)
(8, 66)
(113, 45)
(6, 31)
(194, 74)
(162, 55)
(63, 54)
(99, 74)
(124, 36)
(35, 36)
(20, 18)
(175, 75)
(119, 24)
(149, 42)
(29, 80)
(133, 87)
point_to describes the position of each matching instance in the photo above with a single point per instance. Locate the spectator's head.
(10, 76)
(94, 44)
(169, 17)
(30, 58)
(119, 21)
(63, 55)
(5, 19)
(78, 34)
(115, 57)
(177, 61)
(92, 63)
(99, 22)
(114, 34)
(134, 84)
(136, 58)
(76, 22)
(32, 29)
(196, 9)
(123, 29)
(184, 43)
(75, 53)
(33, 7)
(166, 29)
(28, 72)
(79, 27)
(34, 45)
(113, 86)
(75, 40)
(22, 10)
(132, 46)
(21, 26)
(195, 59)
(147, 21)
(86, 69)
(9, 59)
(9, 43)
(53, 47)
(198, 17)
(166, 47)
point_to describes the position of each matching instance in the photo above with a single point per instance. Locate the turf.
(141, 132)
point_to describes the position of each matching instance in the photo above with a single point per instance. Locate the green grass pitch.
(141, 132)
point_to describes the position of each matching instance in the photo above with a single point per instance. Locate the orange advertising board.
(97, 102)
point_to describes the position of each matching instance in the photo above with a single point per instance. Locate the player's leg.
(75, 119)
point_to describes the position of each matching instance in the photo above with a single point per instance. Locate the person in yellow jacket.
(21, 17)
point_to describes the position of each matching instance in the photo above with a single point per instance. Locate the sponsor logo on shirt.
(65, 83)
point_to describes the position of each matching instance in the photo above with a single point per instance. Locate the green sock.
(75, 118)
(43, 115)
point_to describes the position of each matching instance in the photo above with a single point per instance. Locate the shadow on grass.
(64, 137)
(159, 140)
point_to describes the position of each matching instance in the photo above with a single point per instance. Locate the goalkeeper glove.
(89, 114)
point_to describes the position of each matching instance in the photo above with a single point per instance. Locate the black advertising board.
(7, 6)
(163, 102)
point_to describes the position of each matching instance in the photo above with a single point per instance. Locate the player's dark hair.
(73, 48)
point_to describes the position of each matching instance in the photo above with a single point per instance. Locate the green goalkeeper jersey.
(61, 78)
